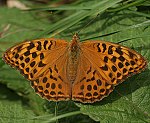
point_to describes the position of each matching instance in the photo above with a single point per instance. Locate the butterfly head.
(74, 42)
(75, 37)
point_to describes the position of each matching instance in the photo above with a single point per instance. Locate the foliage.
(118, 21)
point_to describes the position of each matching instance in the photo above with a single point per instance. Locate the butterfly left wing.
(103, 65)
(43, 62)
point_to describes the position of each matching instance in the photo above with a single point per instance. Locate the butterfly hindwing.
(90, 85)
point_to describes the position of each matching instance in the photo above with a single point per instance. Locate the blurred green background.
(118, 20)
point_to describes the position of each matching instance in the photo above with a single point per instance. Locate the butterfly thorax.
(73, 58)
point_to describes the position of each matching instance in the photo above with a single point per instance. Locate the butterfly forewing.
(102, 66)
(43, 62)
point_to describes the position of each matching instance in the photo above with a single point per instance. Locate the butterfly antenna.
(88, 23)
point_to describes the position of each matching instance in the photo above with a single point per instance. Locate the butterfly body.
(81, 71)
(73, 52)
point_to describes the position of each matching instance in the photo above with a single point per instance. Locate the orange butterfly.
(80, 71)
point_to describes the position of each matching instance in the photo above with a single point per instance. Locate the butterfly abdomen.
(72, 68)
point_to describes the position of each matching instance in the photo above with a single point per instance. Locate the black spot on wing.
(51, 43)
(30, 46)
(110, 51)
(34, 54)
(41, 56)
(39, 47)
(45, 43)
(27, 53)
(119, 50)
(106, 59)
(98, 47)
(41, 64)
(104, 47)
(104, 67)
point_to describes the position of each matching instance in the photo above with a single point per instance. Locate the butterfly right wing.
(43, 62)
(102, 66)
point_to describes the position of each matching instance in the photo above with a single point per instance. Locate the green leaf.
(12, 112)
(96, 8)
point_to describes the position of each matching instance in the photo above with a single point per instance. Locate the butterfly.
(80, 71)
